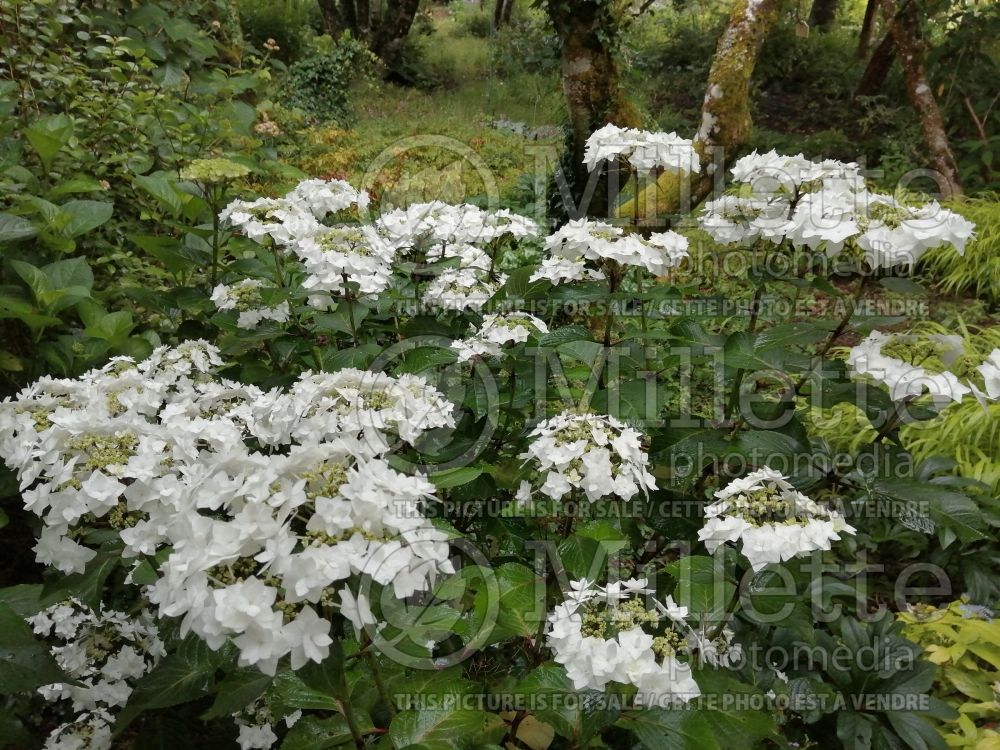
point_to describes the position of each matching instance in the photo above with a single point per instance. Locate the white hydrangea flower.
(495, 332)
(903, 379)
(990, 371)
(599, 241)
(461, 289)
(322, 197)
(245, 297)
(771, 520)
(269, 503)
(91, 730)
(104, 653)
(644, 150)
(594, 453)
(560, 270)
(434, 224)
(827, 205)
(278, 218)
(335, 257)
(599, 634)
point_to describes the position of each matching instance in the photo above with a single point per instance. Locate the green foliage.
(320, 83)
(290, 24)
(963, 641)
(978, 270)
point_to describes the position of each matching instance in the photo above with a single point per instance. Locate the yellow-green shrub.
(964, 641)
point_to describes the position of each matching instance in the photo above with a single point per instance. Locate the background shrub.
(319, 84)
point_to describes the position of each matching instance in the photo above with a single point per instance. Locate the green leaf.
(49, 135)
(14, 228)
(237, 691)
(165, 191)
(327, 677)
(702, 584)
(25, 663)
(663, 729)
(112, 326)
(454, 477)
(313, 733)
(9, 362)
(78, 217)
(792, 334)
(521, 605)
(36, 280)
(948, 510)
(288, 692)
(573, 719)
(185, 675)
(445, 729)
(79, 184)
(915, 731)
(69, 273)
(565, 335)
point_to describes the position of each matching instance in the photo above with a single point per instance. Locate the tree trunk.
(587, 31)
(823, 14)
(867, 29)
(349, 16)
(501, 13)
(390, 35)
(877, 70)
(725, 112)
(905, 27)
(332, 22)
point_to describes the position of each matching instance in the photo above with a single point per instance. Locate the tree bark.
(823, 14)
(390, 35)
(587, 31)
(904, 23)
(502, 11)
(332, 22)
(867, 28)
(879, 65)
(725, 112)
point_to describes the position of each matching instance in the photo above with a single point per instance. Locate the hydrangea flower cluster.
(337, 257)
(643, 150)
(588, 239)
(425, 225)
(279, 219)
(495, 332)
(603, 634)
(272, 504)
(245, 297)
(935, 364)
(594, 453)
(255, 724)
(826, 205)
(349, 260)
(771, 519)
(105, 653)
(322, 197)
(463, 288)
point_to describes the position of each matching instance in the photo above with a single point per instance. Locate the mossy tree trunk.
(588, 32)
(904, 24)
(725, 112)
(823, 14)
